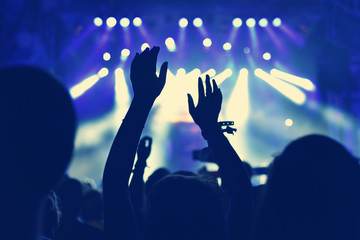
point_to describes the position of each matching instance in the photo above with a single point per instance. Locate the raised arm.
(119, 219)
(236, 181)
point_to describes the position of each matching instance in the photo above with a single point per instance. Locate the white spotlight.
(98, 21)
(137, 22)
(289, 122)
(250, 22)
(106, 56)
(183, 22)
(124, 22)
(263, 22)
(198, 22)
(237, 22)
(80, 88)
(207, 42)
(103, 72)
(124, 54)
(267, 56)
(298, 81)
(111, 22)
(291, 92)
(276, 22)
(170, 44)
(227, 46)
(144, 46)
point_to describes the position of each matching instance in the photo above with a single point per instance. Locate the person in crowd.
(312, 192)
(37, 129)
(92, 210)
(180, 207)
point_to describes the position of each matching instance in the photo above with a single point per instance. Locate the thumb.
(163, 72)
(191, 104)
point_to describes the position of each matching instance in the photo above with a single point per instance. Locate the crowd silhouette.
(312, 190)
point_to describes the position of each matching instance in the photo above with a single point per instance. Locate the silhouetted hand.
(146, 84)
(144, 148)
(206, 113)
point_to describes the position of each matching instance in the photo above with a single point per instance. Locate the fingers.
(191, 104)
(208, 86)
(201, 89)
(163, 71)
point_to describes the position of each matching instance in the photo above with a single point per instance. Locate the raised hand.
(206, 113)
(146, 84)
(144, 148)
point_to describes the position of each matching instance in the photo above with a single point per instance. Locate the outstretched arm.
(119, 220)
(236, 181)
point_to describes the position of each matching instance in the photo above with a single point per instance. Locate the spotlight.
(289, 122)
(125, 52)
(207, 42)
(144, 46)
(237, 22)
(267, 56)
(227, 46)
(137, 22)
(183, 22)
(250, 22)
(103, 72)
(276, 22)
(263, 22)
(98, 21)
(111, 22)
(198, 22)
(106, 56)
(124, 22)
(170, 44)
(246, 50)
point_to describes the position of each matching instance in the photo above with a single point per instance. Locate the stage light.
(144, 46)
(124, 22)
(227, 46)
(246, 50)
(183, 22)
(137, 22)
(106, 56)
(276, 22)
(180, 72)
(122, 95)
(289, 122)
(98, 21)
(250, 22)
(207, 42)
(263, 22)
(111, 22)
(237, 22)
(198, 22)
(221, 77)
(125, 52)
(267, 56)
(103, 72)
(298, 81)
(80, 88)
(170, 44)
(288, 90)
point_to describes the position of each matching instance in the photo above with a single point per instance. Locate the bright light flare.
(263, 22)
(170, 44)
(237, 22)
(211, 72)
(289, 122)
(298, 81)
(250, 22)
(137, 22)
(144, 46)
(221, 77)
(103, 72)
(207, 42)
(98, 22)
(276, 22)
(106, 56)
(125, 54)
(288, 90)
(124, 22)
(183, 22)
(122, 94)
(267, 56)
(198, 22)
(80, 88)
(111, 22)
(227, 46)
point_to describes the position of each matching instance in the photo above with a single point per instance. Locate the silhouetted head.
(185, 207)
(92, 209)
(156, 176)
(70, 198)
(37, 128)
(312, 192)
